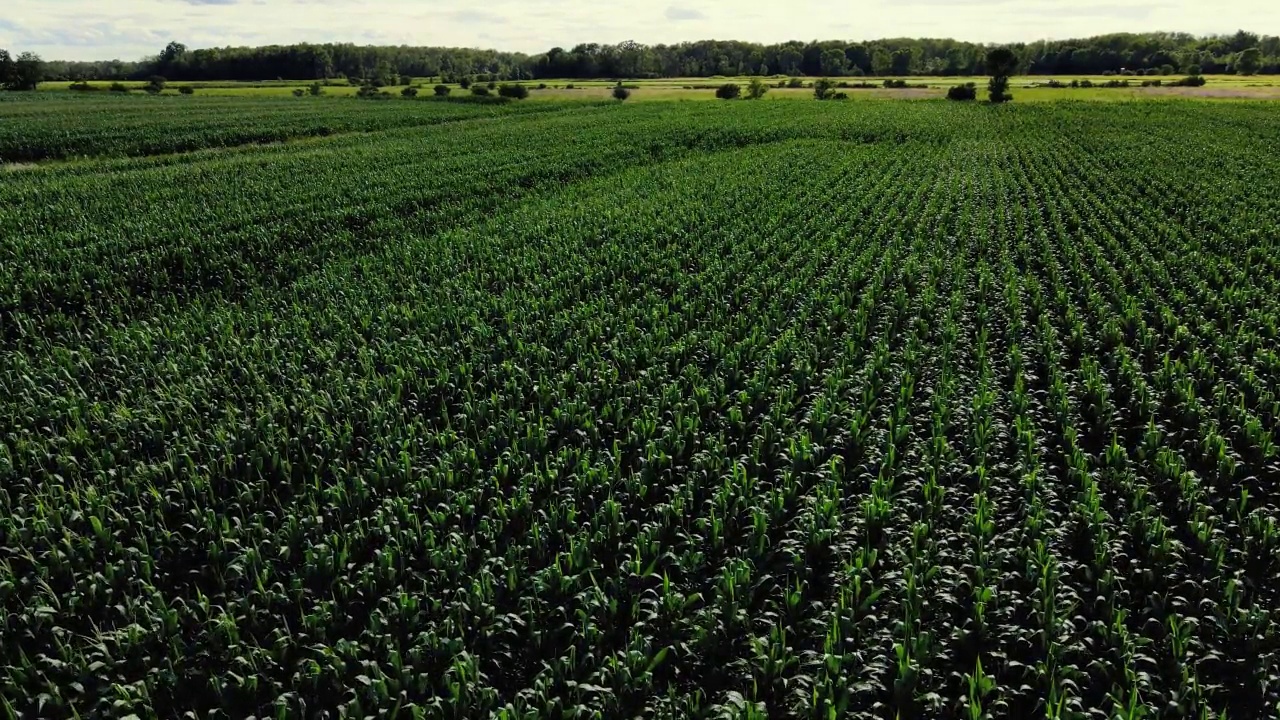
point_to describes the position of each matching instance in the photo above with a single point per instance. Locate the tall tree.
(25, 72)
(6, 68)
(1001, 64)
(1249, 61)
(790, 59)
(834, 62)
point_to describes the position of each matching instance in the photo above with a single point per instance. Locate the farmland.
(1031, 88)
(875, 409)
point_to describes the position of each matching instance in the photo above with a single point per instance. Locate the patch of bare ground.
(1256, 93)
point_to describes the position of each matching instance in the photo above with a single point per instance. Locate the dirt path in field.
(910, 93)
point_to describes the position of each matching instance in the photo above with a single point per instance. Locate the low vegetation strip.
(673, 410)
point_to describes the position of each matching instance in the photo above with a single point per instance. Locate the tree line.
(1123, 53)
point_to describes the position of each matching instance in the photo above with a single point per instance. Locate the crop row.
(905, 410)
(60, 127)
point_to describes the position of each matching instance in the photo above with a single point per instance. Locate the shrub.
(117, 87)
(795, 83)
(620, 93)
(569, 86)
(480, 91)
(443, 90)
(729, 91)
(187, 90)
(409, 92)
(1189, 81)
(493, 85)
(299, 92)
(840, 96)
(155, 85)
(757, 89)
(514, 91)
(316, 90)
(961, 93)
(82, 86)
(542, 86)
(465, 83)
(823, 89)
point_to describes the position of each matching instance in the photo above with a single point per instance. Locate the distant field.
(58, 124)
(1256, 87)
(647, 410)
(68, 125)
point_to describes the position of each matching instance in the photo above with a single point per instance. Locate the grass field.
(1029, 88)
(863, 409)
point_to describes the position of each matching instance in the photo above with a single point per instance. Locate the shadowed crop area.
(748, 410)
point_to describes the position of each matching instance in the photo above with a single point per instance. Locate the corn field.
(786, 410)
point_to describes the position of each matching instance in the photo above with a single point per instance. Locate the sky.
(131, 29)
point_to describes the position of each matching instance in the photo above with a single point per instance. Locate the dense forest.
(1145, 53)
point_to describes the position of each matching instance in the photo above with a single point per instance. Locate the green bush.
(729, 91)
(514, 91)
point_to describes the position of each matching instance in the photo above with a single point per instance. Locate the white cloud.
(677, 13)
(91, 29)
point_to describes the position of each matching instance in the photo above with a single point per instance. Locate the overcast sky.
(129, 29)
